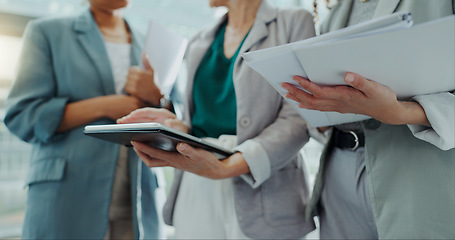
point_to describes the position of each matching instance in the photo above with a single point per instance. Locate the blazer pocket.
(46, 170)
(283, 198)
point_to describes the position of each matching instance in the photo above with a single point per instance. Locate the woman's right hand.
(159, 115)
(116, 106)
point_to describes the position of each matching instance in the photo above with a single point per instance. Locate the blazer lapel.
(386, 7)
(92, 41)
(259, 31)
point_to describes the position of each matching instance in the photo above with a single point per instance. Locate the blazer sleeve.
(33, 110)
(279, 143)
(440, 111)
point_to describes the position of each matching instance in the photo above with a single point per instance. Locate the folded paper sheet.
(165, 50)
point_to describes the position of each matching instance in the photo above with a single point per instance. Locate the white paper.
(165, 50)
(278, 64)
(414, 61)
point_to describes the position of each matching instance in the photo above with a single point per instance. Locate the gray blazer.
(270, 202)
(411, 181)
(71, 175)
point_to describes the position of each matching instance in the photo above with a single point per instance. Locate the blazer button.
(245, 121)
(372, 124)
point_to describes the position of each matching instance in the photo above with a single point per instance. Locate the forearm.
(413, 113)
(233, 166)
(81, 112)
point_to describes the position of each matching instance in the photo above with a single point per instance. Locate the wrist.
(102, 106)
(412, 113)
(233, 166)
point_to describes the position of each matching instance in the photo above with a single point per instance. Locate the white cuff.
(429, 135)
(441, 114)
(258, 161)
(254, 154)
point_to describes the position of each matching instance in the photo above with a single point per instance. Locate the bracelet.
(165, 102)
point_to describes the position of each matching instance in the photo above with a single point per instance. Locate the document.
(414, 61)
(153, 134)
(165, 50)
(388, 50)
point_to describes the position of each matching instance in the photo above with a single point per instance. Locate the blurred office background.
(183, 16)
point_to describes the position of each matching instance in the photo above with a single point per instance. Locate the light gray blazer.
(270, 202)
(411, 175)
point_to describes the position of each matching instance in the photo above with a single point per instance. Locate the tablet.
(153, 134)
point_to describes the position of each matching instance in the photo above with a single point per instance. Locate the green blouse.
(215, 105)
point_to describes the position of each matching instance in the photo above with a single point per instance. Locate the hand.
(159, 115)
(361, 97)
(195, 160)
(323, 129)
(176, 124)
(115, 106)
(141, 83)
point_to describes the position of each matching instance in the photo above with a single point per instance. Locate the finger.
(307, 101)
(157, 154)
(138, 116)
(297, 77)
(176, 124)
(314, 89)
(134, 70)
(338, 93)
(151, 162)
(170, 122)
(129, 88)
(360, 83)
(294, 97)
(298, 94)
(187, 150)
(146, 62)
(324, 105)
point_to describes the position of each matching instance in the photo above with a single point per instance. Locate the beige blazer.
(270, 202)
(411, 175)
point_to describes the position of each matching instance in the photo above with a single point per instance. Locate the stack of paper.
(412, 60)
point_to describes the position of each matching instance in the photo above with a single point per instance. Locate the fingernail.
(181, 146)
(349, 78)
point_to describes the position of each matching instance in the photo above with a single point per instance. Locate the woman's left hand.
(363, 96)
(195, 160)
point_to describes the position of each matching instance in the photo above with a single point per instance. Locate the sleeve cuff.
(430, 135)
(441, 115)
(258, 161)
(50, 118)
